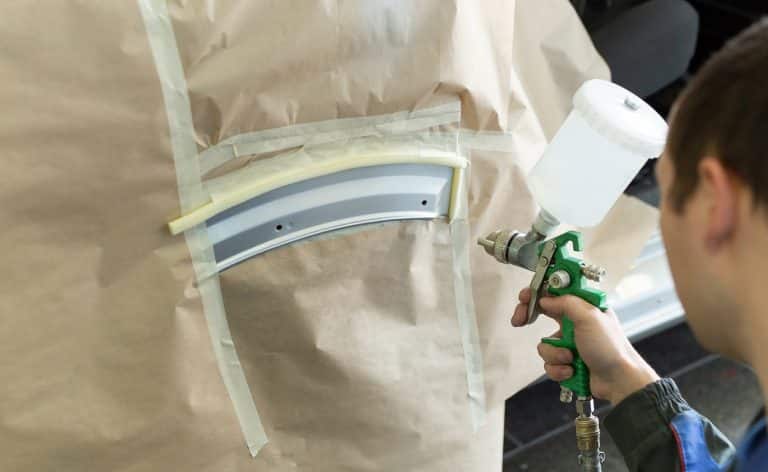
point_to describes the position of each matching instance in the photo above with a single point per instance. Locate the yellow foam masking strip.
(192, 194)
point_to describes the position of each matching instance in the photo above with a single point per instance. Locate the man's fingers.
(554, 355)
(574, 307)
(525, 295)
(558, 373)
(520, 317)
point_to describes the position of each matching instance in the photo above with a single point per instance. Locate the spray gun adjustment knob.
(593, 272)
(559, 279)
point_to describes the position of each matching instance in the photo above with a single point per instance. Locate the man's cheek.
(664, 225)
(670, 234)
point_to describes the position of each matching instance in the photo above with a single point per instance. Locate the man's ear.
(719, 190)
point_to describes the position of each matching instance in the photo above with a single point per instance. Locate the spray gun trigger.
(539, 280)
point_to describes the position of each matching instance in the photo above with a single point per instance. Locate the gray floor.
(722, 390)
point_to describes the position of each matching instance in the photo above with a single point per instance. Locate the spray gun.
(558, 272)
(612, 133)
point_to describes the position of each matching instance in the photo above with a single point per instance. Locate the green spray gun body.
(568, 275)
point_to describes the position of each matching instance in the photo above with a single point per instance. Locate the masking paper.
(349, 344)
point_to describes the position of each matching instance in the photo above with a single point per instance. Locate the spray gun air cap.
(603, 143)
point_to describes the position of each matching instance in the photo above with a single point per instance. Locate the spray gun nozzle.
(497, 244)
(488, 242)
(513, 247)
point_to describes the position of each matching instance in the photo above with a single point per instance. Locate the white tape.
(526, 150)
(162, 41)
(465, 304)
(322, 132)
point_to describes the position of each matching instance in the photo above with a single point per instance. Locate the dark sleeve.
(657, 431)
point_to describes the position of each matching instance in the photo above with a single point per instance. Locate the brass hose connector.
(588, 443)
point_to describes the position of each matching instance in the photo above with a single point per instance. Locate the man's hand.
(616, 369)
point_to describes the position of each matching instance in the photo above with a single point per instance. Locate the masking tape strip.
(488, 140)
(526, 147)
(322, 132)
(227, 196)
(465, 304)
(162, 42)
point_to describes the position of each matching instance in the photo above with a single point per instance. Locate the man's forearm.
(656, 430)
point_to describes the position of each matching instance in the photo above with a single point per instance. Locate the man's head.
(714, 184)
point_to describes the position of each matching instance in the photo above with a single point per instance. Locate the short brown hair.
(723, 112)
